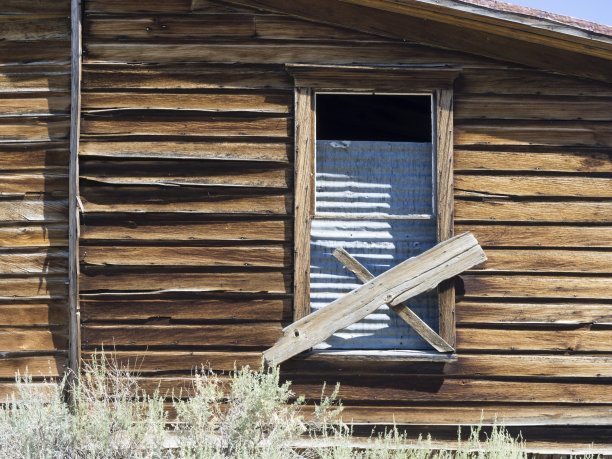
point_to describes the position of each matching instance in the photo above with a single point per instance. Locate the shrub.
(248, 415)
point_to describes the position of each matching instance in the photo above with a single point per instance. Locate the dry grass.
(251, 416)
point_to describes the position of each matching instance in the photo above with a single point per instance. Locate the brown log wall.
(186, 163)
(34, 131)
(186, 246)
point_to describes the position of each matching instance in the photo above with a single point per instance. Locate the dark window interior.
(373, 117)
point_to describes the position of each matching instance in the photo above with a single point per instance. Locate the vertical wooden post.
(73, 189)
(444, 207)
(304, 199)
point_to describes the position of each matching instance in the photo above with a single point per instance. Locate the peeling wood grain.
(236, 256)
(201, 126)
(565, 261)
(549, 313)
(581, 340)
(241, 281)
(238, 151)
(511, 235)
(550, 212)
(259, 102)
(33, 211)
(22, 314)
(558, 161)
(537, 286)
(33, 339)
(239, 230)
(40, 261)
(246, 307)
(520, 185)
(27, 235)
(232, 335)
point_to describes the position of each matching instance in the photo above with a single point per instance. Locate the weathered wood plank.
(273, 52)
(200, 126)
(46, 6)
(22, 184)
(580, 340)
(481, 414)
(51, 366)
(273, 282)
(540, 366)
(215, 25)
(445, 212)
(570, 261)
(22, 314)
(194, 76)
(260, 102)
(518, 107)
(186, 173)
(33, 339)
(467, 365)
(42, 52)
(156, 6)
(55, 104)
(239, 230)
(553, 133)
(34, 129)
(236, 256)
(149, 361)
(28, 79)
(525, 81)
(26, 235)
(41, 287)
(401, 309)
(537, 286)
(521, 185)
(213, 308)
(416, 275)
(33, 211)
(136, 200)
(553, 212)
(561, 161)
(539, 236)
(304, 186)
(40, 261)
(228, 335)
(34, 27)
(408, 389)
(478, 312)
(52, 157)
(239, 151)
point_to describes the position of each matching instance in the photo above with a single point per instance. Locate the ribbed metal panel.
(373, 179)
(378, 243)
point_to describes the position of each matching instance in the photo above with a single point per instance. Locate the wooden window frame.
(363, 79)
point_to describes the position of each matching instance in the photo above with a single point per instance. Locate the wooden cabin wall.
(34, 132)
(186, 244)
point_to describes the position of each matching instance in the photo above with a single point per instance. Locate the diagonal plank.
(401, 309)
(410, 278)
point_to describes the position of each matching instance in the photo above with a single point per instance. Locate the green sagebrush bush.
(248, 415)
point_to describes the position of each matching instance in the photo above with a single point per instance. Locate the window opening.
(374, 175)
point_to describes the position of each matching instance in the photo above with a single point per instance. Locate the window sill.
(379, 356)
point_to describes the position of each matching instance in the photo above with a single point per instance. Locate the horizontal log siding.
(34, 132)
(186, 162)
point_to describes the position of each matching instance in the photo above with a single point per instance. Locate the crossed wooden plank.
(406, 280)
(401, 309)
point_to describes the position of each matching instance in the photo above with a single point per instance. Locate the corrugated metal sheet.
(372, 180)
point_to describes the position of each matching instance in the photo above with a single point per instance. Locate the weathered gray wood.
(304, 202)
(445, 205)
(410, 278)
(402, 310)
(73, 190)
